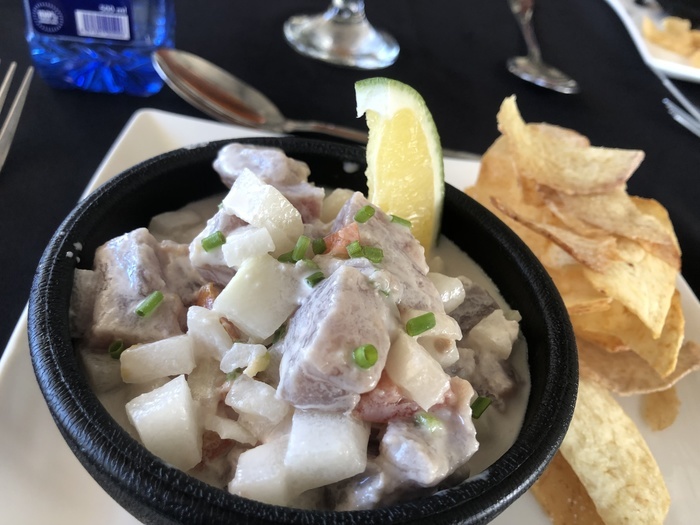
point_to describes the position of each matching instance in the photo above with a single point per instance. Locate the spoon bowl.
(531, 67)
(542, 74)
(221, 95)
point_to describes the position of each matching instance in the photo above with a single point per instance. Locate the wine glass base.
(352, 44)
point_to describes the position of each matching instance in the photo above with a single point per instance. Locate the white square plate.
(42, 482)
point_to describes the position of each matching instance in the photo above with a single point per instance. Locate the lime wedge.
(405, 173)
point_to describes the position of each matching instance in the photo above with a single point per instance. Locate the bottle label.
(83, 18)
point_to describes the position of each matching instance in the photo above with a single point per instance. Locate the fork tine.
(5, 87)
(9, 127)
(681, 116)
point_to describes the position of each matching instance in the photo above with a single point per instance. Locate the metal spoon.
(531, 67)
(224, 97)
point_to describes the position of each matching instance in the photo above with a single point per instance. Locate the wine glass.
(342, 35)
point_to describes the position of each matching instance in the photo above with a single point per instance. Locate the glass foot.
(341, 38)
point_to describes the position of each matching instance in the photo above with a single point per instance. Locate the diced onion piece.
(166, 421)
(242, 355)
(451, 290)
(261, 474)
(229, 429)
(495, 334)
(149, 361)
(325, 447)
(244, 243)
(260, 297)
(264, 206)
(249, 396)
(205, 328)
(415, 372)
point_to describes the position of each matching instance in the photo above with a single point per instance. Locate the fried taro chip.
(498, 176)
(562, 164)
(562, 496)
(643, 283)
(578, 294)
(626, 373)
(615, 212)
(596, 253)
(619, 329)
(612, 460)
(660, 409)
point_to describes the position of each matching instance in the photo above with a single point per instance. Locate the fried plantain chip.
(660, 409)
(626, 373)
(619, 329)
(612, 460)
(560, 163)
(562, 496)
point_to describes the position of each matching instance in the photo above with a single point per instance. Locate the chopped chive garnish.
(220, 205)
(318, 245)
(279, 333)
(149, 304)
(315, 278)
(428, 421)
(232, 376)
(479, 405)
(365, 356)
(401, 221)
(420, 324)
(213, 241)
(116, 348)
(299, 251)
(285, 257)
(311, 265)
(373, 253)
(364, 214)
(354, 249)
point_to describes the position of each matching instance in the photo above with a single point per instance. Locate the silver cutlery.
(531, 67)
(688, 115)
(681, 116)
(9, 126)
(224, 97)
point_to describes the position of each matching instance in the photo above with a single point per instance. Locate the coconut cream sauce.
(496, 430)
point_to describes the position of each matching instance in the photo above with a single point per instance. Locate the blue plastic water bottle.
(99, 45)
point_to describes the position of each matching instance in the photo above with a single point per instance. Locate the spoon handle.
(324, 128)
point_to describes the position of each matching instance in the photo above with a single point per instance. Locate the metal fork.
(7, 132)
(687, 116)
(681, 116)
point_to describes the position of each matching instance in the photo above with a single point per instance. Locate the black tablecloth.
(452, 51)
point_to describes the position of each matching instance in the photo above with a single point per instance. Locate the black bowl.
(157, 493)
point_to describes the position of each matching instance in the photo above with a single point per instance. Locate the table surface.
(453, 52)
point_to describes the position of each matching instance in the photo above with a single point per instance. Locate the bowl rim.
(79, 414)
